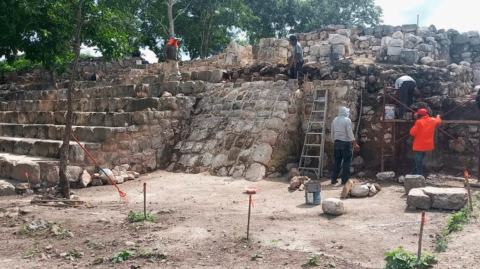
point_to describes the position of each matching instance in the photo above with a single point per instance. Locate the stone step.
(40, 169)
(46, 148)
(106, 119)
(109, 104)
(98, 134)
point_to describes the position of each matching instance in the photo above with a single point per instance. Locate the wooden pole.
(421, 235)
(145, 200)
(249, 210)
(469, 193)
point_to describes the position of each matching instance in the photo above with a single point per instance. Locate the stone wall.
(244, 131)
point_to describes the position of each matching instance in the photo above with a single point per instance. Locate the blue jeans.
(342, 152)
(418, 166)
(406, 96)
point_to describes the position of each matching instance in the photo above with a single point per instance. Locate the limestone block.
(344, 32)
(86, 179)
(386, 176)
(386, 41)
(427, 60)
(398, 35)
(426, 48)
(315, 50)
(205, 75)
(336, 39)
(440, 37)
(256, 172)
(187, 87)
(409, 57)
(333, 206)
(281, 43)
(461, 39)
(413, 181)
(409, 28)
(394, 51)
(360, 191)
(325, 49)
(418, 199)
(368, 31)
(217, 76)
(388, 30)
(219, 160)
(22, 167)
(74, 173)
(440, 63)
(447, 198)
(49, 173)
(424, 32)
(396, 43)
(262, 153)
(6, 188)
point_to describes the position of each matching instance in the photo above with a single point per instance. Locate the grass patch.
(24, 230)
(139, 216)
(94, 245)
(31, 253)
(151, 255)
(456, 223)
(122, 256)
(74, 255)
(313, 260)
(400, 258)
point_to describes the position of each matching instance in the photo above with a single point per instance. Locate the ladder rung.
(308, 168)
(307, 156)
(314, 133)
(319, 111)
(313, 145)
(316, 122)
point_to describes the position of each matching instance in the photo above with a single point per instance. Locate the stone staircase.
(111, 119)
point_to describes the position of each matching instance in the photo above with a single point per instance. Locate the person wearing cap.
(296, 61)
(342, 135)
(170, 52)
(423, 132)
(407, 86)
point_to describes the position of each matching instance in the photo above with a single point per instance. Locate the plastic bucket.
(312, 193)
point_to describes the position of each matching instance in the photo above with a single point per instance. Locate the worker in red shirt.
(423, 132)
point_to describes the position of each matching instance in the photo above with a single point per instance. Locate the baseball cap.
(292, 38)
(421, 112)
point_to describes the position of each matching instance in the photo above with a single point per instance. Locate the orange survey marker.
(123, 195)
(424, 219)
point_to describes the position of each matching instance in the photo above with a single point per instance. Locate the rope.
(120, 192)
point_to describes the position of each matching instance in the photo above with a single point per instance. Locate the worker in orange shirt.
(423, 132)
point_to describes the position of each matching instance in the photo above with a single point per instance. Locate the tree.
(207, 26)
(314, 14)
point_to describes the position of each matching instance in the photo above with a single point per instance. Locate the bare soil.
(201, 223)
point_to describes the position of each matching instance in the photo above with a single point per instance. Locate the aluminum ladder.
(311, 159)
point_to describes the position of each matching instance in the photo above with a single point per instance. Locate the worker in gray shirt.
(407, 86)
(342, 135)
(296, 61)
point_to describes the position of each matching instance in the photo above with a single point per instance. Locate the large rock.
(360, 191)
(409, 28)
(396, 43)
(255, 172)
(85, 179)
(426, 60)
(104, 177)
(461, 39)
(414, 181)
(20, 170)
(424, 32)
(447, 198)
(394, 51)
(386, 176)
(397, 35)
(418, 199)
(293, 173)
(262, 154)
(335, 39)
(347, 189)
(74, 173)
(440, 63)
(409, 57)
(6, 188)
(333, 206)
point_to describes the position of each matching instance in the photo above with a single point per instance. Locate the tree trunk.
(65, 149)
(171, 29)
(206, 38)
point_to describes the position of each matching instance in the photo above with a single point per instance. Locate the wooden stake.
(145, 200)
(421, 235)
(249, 209)
(469, 193)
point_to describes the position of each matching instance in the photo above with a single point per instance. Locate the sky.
(461, 15)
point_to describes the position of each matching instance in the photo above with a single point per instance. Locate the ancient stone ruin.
(236, 113)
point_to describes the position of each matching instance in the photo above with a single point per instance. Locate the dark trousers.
(342, 152)
(418, 165)
(406, 95)
(295, 69)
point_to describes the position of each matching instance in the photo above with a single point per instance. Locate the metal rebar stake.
(249, 209)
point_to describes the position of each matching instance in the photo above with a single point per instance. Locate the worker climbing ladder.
(311, 159)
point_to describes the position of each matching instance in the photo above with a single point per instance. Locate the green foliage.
(19, 64)
(74, 255)
(122, 256)
(313, 260)
(402, 259)
(151, 255)
(24, 230)
(455, 224)
(94, 245)
(31, 253)
(256, 257)
(140, 216)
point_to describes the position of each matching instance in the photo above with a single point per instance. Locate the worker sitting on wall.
(423, 132)
(407, 86)
(170, 53)
(477, 88)
(296, 61)
(342, 135)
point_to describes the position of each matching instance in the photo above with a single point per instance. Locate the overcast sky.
(461, 15)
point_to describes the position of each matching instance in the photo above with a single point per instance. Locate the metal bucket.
(312, 193)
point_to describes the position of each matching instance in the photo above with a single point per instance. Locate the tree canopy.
(44, 29)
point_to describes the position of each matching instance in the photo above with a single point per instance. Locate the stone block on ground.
(418, 199)
(74, 173)
(298, 181)
(104, 177)
(336, 39)
(293, 173)
(217, 76)
(394, 51)
(447, 198)
(360, 191)
(333, 206)
(256, 172)
(386, 176)
(426, 60)
(347, 189)
(413, 181)
(20, 170)
(6, 188)
(85, 179)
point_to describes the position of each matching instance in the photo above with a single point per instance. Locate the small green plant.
(122, 256)
(150, 255)
(256, 257)
(140, 216)
(441, 243)
(400, 258)
(24, 230)
(98, 260)
(74, 254)
(94, 245)
(65, 234)
(313, 260)
(31, 254)
(455, 224)
(275, 241)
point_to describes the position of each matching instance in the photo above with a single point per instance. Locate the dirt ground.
(201, 223)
